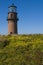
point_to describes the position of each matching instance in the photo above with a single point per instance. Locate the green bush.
(21, 49)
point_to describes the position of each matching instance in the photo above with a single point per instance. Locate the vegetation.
(21, 49)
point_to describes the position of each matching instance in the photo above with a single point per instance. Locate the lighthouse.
(12, 19)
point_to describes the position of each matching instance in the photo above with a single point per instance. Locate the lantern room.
(12, 8)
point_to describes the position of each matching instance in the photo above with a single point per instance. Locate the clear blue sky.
(30, 14)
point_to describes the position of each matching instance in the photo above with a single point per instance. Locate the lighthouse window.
(10, 32)
(11, 15)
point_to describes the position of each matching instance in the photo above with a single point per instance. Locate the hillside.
(21, 49)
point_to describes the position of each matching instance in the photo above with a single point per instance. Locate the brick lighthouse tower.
(12, 20)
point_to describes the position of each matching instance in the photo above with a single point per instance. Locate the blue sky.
(30, 14)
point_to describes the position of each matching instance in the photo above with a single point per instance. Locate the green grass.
(21, 49)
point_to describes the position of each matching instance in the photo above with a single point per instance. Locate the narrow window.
(11, 15)
(10, 32)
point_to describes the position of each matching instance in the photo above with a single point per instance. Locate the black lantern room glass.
(12, 8)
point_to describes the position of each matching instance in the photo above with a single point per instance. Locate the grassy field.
(21, 49)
